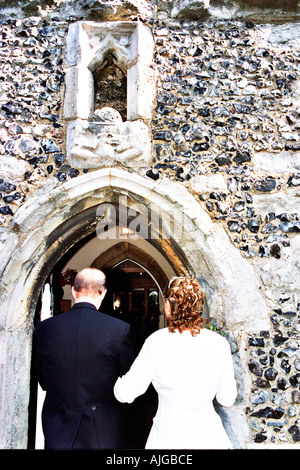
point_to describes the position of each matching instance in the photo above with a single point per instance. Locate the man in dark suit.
(80, 355)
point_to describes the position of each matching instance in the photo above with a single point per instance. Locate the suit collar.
(83, 305)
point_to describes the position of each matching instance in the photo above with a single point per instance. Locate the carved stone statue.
(107, 139)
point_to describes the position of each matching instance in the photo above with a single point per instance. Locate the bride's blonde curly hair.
(186, 298)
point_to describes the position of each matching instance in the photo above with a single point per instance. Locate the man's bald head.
(90, 282)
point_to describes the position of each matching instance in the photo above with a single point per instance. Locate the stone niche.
(110, 89)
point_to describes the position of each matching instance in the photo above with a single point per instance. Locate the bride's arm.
(138, 378)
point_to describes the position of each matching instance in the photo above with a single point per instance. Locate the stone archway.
(124, 250)
(59, 215)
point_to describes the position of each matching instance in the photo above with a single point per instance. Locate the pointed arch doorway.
(58, 216)
(135, 296)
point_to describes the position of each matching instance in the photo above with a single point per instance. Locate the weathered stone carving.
(107, 138)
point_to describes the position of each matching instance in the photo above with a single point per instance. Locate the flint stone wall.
(225, 125)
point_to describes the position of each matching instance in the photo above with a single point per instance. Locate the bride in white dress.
(188, 366)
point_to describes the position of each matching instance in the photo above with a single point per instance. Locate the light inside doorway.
(134, 296)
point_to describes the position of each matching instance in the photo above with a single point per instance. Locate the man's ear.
(103, 294)
(74, 293)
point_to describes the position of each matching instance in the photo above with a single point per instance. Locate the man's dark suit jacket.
(80, 355)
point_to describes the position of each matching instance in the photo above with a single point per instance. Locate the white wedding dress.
(188, 373)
